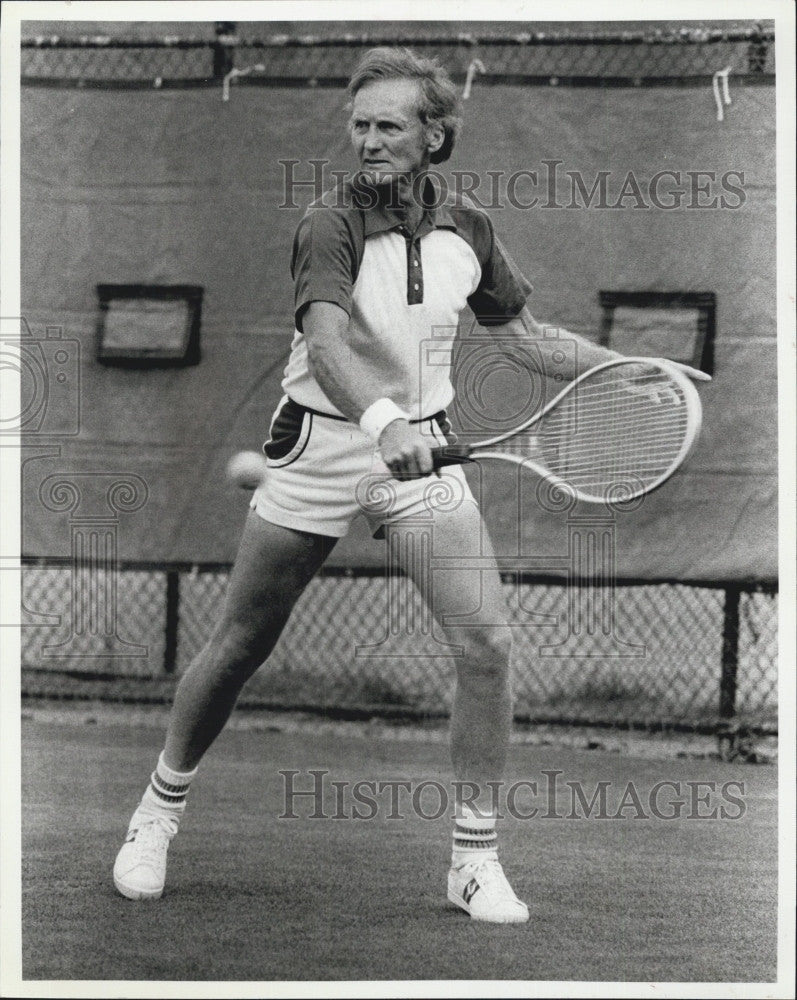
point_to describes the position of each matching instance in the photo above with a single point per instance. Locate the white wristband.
(378, 415)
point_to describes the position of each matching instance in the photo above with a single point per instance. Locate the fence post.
(757, 52)
(728, 735)
(223, 51)
(730, 652)
(172, 620)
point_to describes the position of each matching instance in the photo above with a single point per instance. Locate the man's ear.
(435, 136)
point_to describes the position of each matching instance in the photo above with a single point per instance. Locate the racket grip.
(451, 454)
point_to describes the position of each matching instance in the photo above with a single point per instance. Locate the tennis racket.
(617, 431)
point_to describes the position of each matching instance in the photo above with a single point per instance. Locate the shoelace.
(153, 836)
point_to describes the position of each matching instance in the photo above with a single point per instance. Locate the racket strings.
(642, 425)
(637, 385)
(612, 432)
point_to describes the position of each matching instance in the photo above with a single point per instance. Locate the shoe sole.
(130, 892)
(460, 902)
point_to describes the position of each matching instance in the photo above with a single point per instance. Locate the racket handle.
(451, 454)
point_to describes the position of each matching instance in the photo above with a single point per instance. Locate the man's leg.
(273, 567)
(482, 712)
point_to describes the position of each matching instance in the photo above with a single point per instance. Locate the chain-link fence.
(655, 56)
(693, 658)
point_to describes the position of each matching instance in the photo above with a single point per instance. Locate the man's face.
(388, 137)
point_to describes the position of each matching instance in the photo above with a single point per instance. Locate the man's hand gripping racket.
(617, 431)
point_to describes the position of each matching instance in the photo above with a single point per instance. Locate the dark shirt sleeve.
(324, 264)
(503, 289)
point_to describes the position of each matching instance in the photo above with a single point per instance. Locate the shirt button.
(417, 286)
(415, 263)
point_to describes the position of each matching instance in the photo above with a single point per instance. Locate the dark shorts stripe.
(287, 426)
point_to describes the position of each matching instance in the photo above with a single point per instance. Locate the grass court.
(252, 897)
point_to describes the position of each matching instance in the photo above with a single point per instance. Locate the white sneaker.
(480, 888)
(140, 869)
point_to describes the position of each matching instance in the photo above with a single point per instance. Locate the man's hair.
(439, 99)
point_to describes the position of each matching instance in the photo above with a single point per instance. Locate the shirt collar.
(381, 218)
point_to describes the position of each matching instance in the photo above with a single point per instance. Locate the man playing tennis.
(379, 268)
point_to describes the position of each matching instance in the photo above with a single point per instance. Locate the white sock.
(167, 790)
(475, 838)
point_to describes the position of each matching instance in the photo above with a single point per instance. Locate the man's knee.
(242, 642)
(487, 651)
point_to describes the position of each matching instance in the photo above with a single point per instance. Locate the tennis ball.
(247, 469)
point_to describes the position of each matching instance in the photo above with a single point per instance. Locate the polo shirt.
(403, 292)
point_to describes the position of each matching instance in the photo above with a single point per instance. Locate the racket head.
(618, 431)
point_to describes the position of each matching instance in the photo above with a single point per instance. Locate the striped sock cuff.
(168, 785)
(474, 832)
(466, 839)
(174, 777)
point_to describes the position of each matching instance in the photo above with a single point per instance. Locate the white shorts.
(324, 471)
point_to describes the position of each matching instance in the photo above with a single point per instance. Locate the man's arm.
(524, 328)
(332, 364)
(346, 384)
(549, 339)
